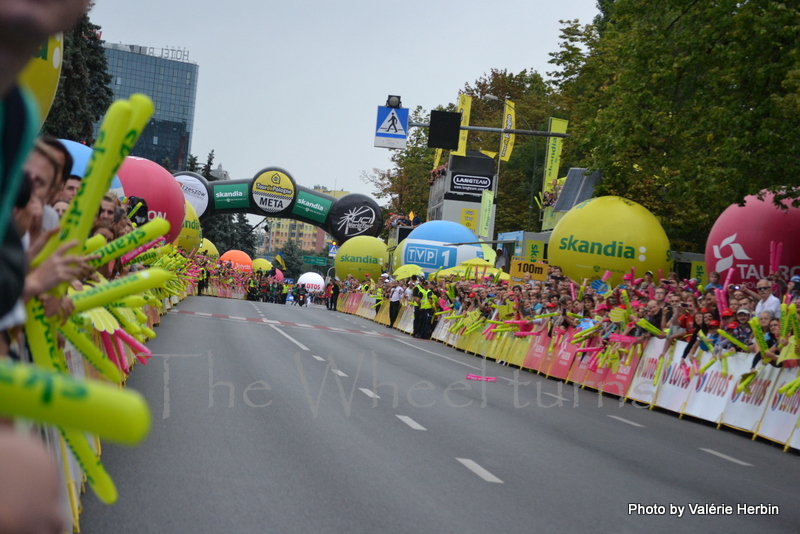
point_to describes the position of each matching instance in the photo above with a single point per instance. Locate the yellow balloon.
(609, 234)
(191, 234)
(261, 264)
(209, 248)
(360, 256)
(42, 73)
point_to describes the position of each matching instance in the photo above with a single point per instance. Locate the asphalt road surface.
(270, 418)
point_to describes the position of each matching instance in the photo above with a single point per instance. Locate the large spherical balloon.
(148, 180)
(432, 245)
(359, 256)
(42, 73)
(397, 255)
(239, 260)
(313, 282)
(609, 234)
(278, 275)
(81, 154)
(741, 238)
(209, 248)
(191, 234)
(261, 264)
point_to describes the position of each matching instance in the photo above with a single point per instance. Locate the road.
(271, 418)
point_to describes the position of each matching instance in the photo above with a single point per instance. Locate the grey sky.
(296, 84)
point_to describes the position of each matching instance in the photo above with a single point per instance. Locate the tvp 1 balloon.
(191, 234)
(261, 264)
(238, 259)
(208, 248)
(42, 73)
(435, 244)
(148, 180)
(359, 256)
(609, 234)
(741, 239)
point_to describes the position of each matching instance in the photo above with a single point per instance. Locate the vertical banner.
(553, 158)
(437, 157)
(469, 218)
(509, 122)
(464, 106)
(699, 272)
(535, 250)
(487, 199)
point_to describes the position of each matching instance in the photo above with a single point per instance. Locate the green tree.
(167, 164)
(83, 94)
(243, 236)
(293, 257)
(687, 107)
(192, 164)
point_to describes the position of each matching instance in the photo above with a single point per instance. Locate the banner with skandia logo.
(744, 411)
(783, 412)
(711, 390)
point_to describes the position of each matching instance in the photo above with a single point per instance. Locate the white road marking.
(478, 470)
(304, 325)
(726, 457)
(439, 355)
(338, 329)
(238, 318)
(554, 396)
(204, 314)
(410, 422)
(290, 338)
(626, 421)
(319, 358)
(338, 372)
(371, 332)
(270, 321)
(369, 393)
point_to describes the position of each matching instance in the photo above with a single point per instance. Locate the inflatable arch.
(274, 193)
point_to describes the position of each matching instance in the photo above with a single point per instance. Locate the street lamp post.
(533, 171)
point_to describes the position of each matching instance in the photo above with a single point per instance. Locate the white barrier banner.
(642, 389)
(745, 411)
(782, 411)
(673, 384)
(794, 441)
(709, 392)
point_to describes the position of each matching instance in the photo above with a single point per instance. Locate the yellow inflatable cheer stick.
(119, 415)
(121, 127)
(144, 234)
(93, 243)
(41, 335)
(114, 290)
(96, 474)
(90, 352)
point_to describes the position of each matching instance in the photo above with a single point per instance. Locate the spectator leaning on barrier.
(765, 299)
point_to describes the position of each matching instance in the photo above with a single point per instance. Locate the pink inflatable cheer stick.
(606, 276)
(142, 353)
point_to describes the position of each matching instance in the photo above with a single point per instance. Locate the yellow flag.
(489, 153)
(553, 154)
(509, 123)
(411, 215)
(437, 157)
(464, 106)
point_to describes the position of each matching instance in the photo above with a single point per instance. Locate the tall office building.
(168, 77)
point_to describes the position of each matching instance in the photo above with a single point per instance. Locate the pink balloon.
(741, 239)
(240, 260)
(279, 275)
(148, 180)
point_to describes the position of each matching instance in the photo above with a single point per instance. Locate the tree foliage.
(686, 107)
(83, 94)
(293, 257)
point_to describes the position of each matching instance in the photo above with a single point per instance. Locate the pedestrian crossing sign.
(391, 130)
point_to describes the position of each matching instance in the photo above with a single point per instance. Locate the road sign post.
(391, 130)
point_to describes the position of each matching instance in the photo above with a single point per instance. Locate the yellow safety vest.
(424, 299)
